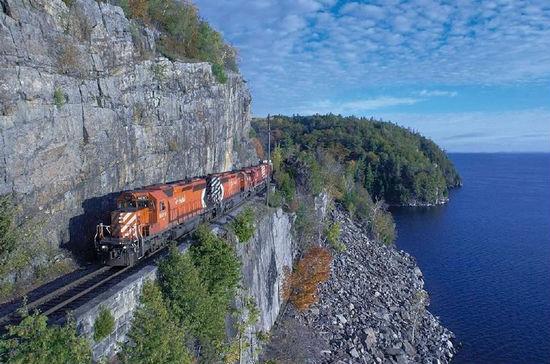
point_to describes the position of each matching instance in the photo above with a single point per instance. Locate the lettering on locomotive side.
(180, 200)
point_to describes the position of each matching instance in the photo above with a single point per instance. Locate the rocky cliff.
(87, 109)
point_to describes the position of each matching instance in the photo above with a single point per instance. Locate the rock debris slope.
(367, 311)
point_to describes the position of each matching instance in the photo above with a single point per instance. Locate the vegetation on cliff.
(184, 35)
(301, 173)
(301, 285)
(20, 245)
(192, 300)
(392, 163)
(33, 341)
(156, 335)
(243, 225)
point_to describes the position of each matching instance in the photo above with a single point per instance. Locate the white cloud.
(436, 93)
(354, 106)
(327, 49)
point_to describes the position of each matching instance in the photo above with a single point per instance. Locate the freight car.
(147, 218)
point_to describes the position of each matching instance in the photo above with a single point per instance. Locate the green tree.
(217, 264)
(186, 294)
(32, 341)
(156, 336)
(333, 236)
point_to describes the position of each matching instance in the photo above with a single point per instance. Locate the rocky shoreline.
(372, 310)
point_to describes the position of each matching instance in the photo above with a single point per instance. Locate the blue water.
(486, 257)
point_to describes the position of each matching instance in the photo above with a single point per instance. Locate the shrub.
(184, 34)
(275, 199)
(286, 185)
(156, 336)
(243, 225)
(159, 71)
(333, 237)
(8, 232)
(69, 3)
(384, 227)
(58, 97)
(33, 341)
(104, 324)
(300, 286)
(306, 225)
(219, 73)
(173, 145)
(68, 59)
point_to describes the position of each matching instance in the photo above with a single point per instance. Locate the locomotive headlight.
(124, 247)
(104, 247)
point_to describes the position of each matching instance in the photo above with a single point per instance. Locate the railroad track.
(57, 303)
(60, 297)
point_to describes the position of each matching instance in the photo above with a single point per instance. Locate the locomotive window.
(143, 203)
(162, 206)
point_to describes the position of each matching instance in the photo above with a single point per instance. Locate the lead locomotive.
(147, 218)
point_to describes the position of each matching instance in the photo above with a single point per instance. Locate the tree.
(420, 301)
(217, 264)
(186, 294)
(156, 336)
(300, 286)
(199, 286)
(32, 341)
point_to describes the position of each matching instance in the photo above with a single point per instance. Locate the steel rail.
(56, 293)
(85, 291)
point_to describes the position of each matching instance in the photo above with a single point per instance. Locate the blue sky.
(471, 75)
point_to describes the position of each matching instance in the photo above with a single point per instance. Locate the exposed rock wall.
(87, 109)
(265, 258)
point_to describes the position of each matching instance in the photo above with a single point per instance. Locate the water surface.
(486, 257)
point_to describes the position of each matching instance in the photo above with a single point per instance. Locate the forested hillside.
(392, 163)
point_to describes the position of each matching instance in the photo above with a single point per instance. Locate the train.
(146, 219)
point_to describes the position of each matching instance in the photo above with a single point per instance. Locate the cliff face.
(87, 109)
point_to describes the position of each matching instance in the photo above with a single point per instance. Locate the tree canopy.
(390, 162)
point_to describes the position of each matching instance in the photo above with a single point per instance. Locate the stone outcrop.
(263, 260)
(88, 108)
(371, 310)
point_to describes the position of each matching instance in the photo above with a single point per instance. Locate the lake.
(486, 257)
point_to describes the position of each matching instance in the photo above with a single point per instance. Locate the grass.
(104, 324)
(59, 97)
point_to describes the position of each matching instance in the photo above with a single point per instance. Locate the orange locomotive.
(147, 218)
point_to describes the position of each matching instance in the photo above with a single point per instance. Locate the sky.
(474, 76)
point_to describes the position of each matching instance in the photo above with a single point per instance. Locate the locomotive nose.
(124, 224)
